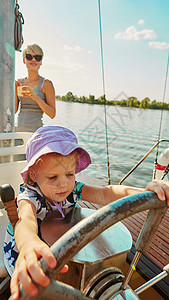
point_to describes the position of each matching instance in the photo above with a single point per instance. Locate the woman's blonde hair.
(32, 48)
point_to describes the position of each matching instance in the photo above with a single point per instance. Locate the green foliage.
(145, 103)
(133, 102)
(129, 102)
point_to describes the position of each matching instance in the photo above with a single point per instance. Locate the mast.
(7, 65)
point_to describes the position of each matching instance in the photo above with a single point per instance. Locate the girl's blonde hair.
(32, 48)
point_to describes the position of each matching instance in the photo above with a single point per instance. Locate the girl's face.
(55, 175)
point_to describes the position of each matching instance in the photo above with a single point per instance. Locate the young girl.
(37, 95)
(54, 157)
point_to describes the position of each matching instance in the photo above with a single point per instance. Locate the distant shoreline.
(146, 103)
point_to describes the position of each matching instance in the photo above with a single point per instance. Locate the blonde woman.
(34, 95)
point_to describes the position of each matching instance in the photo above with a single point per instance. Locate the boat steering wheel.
(66, 247)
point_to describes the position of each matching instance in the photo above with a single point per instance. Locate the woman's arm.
(48, 90)
(16, 96)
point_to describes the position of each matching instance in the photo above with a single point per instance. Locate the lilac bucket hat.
(56, 139)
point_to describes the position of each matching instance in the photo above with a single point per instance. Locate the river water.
(131, 133)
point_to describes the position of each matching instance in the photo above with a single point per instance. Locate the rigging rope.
(104, 94)
(161, 118)
(19, 21)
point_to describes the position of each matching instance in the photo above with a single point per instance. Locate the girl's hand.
(28, 269)
(161, 188)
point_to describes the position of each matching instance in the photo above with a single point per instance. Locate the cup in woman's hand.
(22, 90)
(19, 91)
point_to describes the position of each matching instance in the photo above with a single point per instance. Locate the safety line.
(165, 85)
(104, 93)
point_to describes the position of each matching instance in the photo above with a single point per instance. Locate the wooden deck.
(152, 262)
(159, 248)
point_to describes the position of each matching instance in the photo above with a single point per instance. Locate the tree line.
(129, 102)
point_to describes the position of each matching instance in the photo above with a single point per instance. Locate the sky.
(135, 40)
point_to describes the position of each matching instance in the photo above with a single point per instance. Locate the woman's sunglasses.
(37, 57)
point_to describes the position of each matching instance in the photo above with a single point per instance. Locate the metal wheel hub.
(111, 278)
